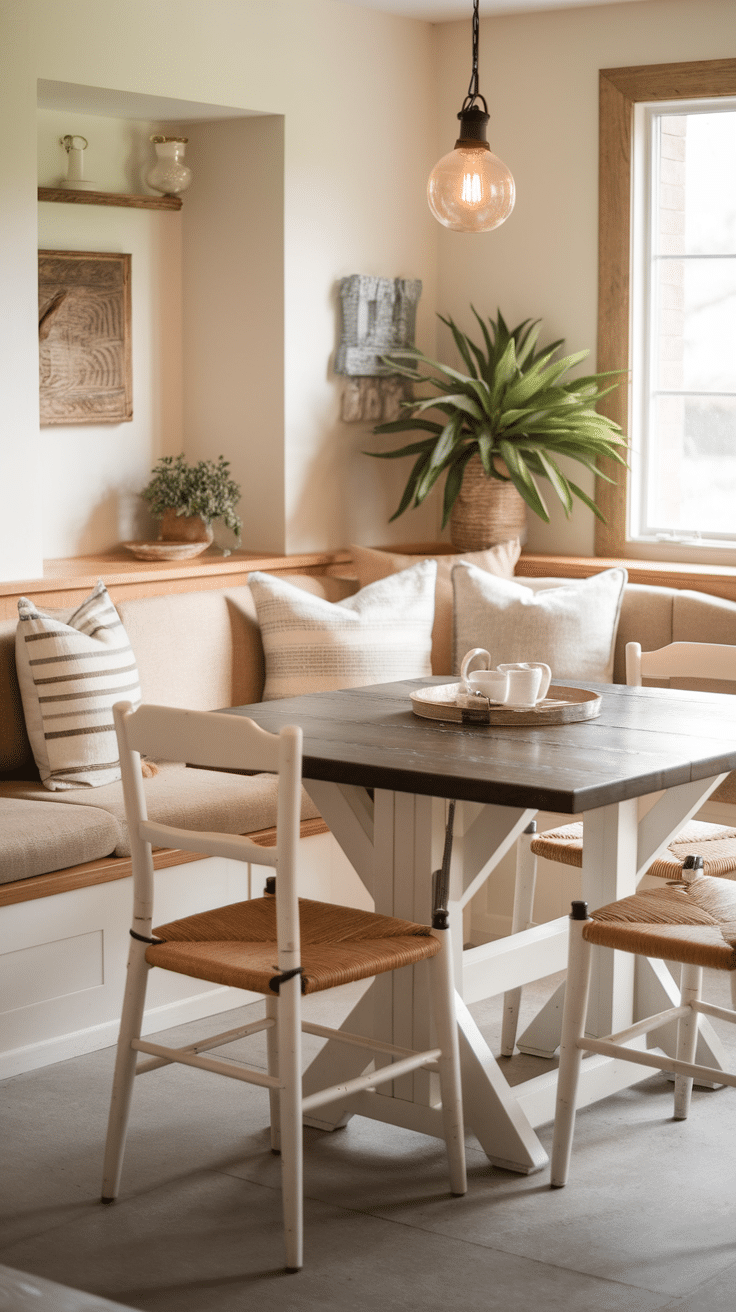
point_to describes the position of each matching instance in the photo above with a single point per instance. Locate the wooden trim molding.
(108, 868)
(619, 90)
(716, 581)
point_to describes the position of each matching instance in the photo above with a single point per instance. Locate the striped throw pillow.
(71, 671)
(381, 634)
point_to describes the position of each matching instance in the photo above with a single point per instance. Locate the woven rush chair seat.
(715, 843)
(237, 945)
(692, 923)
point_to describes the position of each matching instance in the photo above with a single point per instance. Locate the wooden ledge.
(120, 867)
(66, 582)
(716, 580)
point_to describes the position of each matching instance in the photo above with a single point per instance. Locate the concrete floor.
(647, 1221)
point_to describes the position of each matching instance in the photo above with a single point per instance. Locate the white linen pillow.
(571, 627)
(71, 671)
(372, 564)
(382, 633)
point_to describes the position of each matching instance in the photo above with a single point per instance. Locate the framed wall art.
(84, 313)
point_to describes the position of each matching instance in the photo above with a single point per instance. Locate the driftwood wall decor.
(378, 319)
(84, 337)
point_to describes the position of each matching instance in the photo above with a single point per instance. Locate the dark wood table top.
(645, 739)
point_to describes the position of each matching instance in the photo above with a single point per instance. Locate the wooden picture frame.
(84, 340)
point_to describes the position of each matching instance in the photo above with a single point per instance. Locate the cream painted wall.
(93, 473)
(539, 74)
(234, 315)
(20, 506)
(356, 92)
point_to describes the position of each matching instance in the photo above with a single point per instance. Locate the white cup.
(528, 682)
(492, 684)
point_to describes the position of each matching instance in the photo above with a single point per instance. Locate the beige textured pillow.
(372, 565)
(572, 627)
(71, 670)
(382, 633)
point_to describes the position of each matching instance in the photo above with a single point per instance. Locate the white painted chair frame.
(237, 743)
(682, 660)
(574, 1043)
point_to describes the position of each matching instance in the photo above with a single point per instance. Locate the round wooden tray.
(560, 706)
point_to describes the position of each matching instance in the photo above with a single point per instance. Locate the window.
(667, 306)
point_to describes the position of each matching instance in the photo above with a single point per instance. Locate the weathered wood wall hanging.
(84, 313)
(378, 319)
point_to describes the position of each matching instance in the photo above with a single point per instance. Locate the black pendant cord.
(473, 92)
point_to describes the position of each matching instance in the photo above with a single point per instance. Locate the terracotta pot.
(486, 511)
(184, 528)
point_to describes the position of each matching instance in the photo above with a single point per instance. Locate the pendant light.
(471, 190)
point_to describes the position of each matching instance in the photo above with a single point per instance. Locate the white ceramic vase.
(169, 174)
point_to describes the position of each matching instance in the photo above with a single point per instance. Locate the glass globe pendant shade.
(471, 189)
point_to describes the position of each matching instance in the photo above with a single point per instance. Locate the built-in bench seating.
(64, 863)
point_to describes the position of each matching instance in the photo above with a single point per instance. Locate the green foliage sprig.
(512, 406)
(205, 489)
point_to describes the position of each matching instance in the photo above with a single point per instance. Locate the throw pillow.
(372, 565)
(71, 671)
(572, 627)
(380, 634)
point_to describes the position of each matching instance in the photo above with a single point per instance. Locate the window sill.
(716, 580)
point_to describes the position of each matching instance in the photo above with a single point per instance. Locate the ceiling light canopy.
(471, 189)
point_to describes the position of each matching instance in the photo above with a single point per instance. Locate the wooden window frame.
(620, 89)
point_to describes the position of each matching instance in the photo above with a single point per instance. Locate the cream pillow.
(372, 565)
(571, 627)
(382, 633)
(71, 671)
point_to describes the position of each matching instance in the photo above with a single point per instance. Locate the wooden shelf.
(67, 582)
(70, 197)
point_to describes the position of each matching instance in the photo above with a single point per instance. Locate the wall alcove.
(208, 308)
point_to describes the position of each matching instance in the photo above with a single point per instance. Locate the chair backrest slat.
(221, 741)
(205, 738)
(236, 847)
(682, 660)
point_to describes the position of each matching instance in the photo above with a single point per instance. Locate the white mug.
(493, 684)
(528, 682)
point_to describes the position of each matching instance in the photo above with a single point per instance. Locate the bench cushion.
(177, 795)
(38, 837)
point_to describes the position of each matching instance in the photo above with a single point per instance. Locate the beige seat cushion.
(38, 837)
(204, 799)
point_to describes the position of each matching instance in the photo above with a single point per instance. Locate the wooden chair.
(276, 945)
(715, 843)
(692, 923)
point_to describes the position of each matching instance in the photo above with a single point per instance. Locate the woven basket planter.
(486, 511)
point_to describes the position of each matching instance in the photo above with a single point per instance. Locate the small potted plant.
(187, 498)
(498, 428)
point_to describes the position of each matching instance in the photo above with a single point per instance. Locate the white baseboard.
(62, 1047)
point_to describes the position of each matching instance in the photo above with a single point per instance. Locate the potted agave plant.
(187, 498)
(498, 429)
